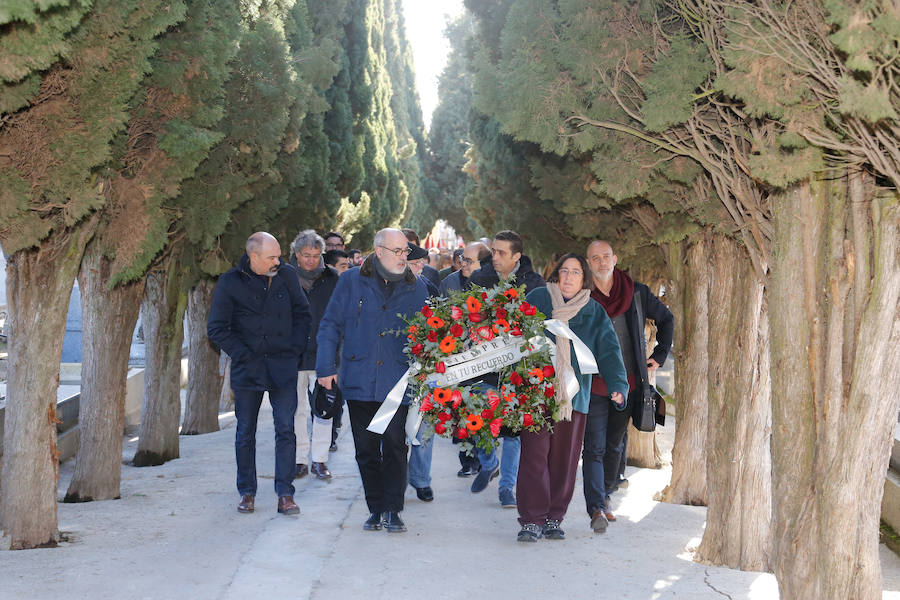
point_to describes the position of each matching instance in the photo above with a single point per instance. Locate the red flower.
(417, 349)
(474, 423)
(487, 414)
(528, 309)
(484, 295)
(549, 371)
(442, 395)
(443, 417)
(432, 336)
(456, 330)
(495, 427)
(440, 367)
(462, 433)
(485, 333)
(527, 420)
(515, 378)
(549, 391)
(456, 313)
(426, 405)
(516, 331)
(475, 317)
(501, 313)
(473, 305)
(511, 293)
(493, 399)
(439, 429)
(426, 311)
(435, 322)
(456, 399)
(448, 345)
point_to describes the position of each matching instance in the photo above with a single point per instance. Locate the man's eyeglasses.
(310, 256)
(398, 252)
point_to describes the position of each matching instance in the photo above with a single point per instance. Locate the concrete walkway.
(175, 534)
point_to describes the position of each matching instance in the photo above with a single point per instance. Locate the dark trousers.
(381, 457)
(603, 449)
(547, 469)
(246, 409)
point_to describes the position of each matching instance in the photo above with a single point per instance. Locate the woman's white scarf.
(563, 311)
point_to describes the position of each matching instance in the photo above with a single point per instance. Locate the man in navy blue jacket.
(260, 318)
(363, 312)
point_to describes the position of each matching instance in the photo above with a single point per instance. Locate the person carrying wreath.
(549, 460)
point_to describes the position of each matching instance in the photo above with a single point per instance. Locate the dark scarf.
(307, 278)
(620, 294)
(387, 275)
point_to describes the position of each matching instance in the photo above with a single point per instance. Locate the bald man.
(260, 318)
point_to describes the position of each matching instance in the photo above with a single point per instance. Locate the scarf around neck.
(385, 274)
(307, 278)
(620, 294)
(563, 311)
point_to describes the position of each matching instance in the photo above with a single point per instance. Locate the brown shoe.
(302, 471)
(599, 522)
(246, 504)
(320, 470)
(610, 516)
(287, 506)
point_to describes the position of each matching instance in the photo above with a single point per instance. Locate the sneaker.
(599, 522)
(530, 532)
(552, 531)
(484, 478)
(467, 471)
(332, 447)
(507, 498)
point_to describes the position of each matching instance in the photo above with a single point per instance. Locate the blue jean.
(603, 448)
(509, 463)
(246, 409)
(419, 469)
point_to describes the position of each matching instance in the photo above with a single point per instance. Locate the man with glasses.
(470, 260)
(427, 271)
(365, 312)
(334, 241)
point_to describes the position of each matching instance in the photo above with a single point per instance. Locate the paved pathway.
(175, 534)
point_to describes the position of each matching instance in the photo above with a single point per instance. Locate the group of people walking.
(288, 329)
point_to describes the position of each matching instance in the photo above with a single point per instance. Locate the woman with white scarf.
(549, 461)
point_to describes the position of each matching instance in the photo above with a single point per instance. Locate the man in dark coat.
(364, 312)
(628, 304)
(314, 435)
(509, 264)
(428, 272)
(260, 317)
(471, 258)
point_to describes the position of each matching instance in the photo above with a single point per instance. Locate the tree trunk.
(836, 346)
(108, 317)
(201, 409)
(688, 484)
(738, 530)
(226, 399)
(39, 284)
(162, 314)
(643, 451)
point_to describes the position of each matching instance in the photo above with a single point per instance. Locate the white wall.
(2, 280)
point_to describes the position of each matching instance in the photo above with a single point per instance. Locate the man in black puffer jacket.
(260, 317)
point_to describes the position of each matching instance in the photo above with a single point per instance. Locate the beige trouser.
(313, 433)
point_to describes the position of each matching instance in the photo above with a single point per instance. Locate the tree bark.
(163, 318)
(643, 451)
(201, 409)
(691, 308)
(108, 318)
(836, 344)
(226, 399)
(738, 530)
(39, 284)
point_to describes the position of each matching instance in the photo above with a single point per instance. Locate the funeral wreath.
(453, 342)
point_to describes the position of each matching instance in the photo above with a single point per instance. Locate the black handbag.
(643, 413)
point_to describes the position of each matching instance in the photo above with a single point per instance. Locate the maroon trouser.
(547, 470)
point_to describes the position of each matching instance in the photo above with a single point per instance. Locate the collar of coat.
(368, 270)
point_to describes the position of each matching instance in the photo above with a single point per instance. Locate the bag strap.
(639, 308)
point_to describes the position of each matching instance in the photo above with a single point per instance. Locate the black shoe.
(467, 471)
(552, 531)
(425, 494)
(483, 479)
(392, 522)
(373, 523)
(332, 447)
